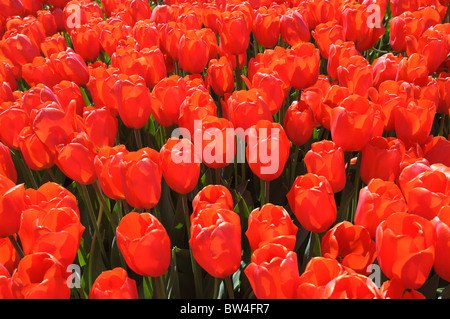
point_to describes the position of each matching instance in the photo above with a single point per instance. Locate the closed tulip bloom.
(326, 34)
(41, 70)
(193, 52)
(356, 23)
(234, 32)
(303, 58)
(299, 122)
(212, 195)
(18, 48)
(413, 69)
(378, 200)
(114, 284)
(76, 159)
(71, 66)
(245, 108)
(272, 272)
(444, 89)
(272, 88)
(132, 100)
(12, 203)
(293, 28)
(101, 80)
(351, 245)
(267, 149)
(351, 286)
(413, 122)
(35, 153)
(56, 231)
(266, 27)
(338, 51)
(40, 276)
(353, 117)
(166, 98)
(101, 126)
(216, 240)
(180, 165)
(319, 271)
(406, 248)
(106, 165)
(427, 193)
(311, 199)
(326, 159)
(53, 44)
(144, 244)
(385, 68)
(220, 75)
(146, 33)
(271, 224)
(380, 158)
(356, 73)
(85, 41)
(141, 175)
(218, 143)
(67, 91)
(441, 225)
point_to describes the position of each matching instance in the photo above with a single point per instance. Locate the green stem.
(218, 179)
(104, 204)
(216, 287)
(195, 267)
(294, 164)
(160, 291)
(95, 223)
(16, 246)
(137, 135)
(442, 124)
(229, 286)
(267, 191)
(356, 183)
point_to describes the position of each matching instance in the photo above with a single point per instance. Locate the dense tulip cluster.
(289, 149)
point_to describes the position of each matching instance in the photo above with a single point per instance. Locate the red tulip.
(385, 68)
(270, 224)
(441, 225)
(216, 240)
(444, 96)
(9, 258)
(114, 284)
(294, 28)
(35, 154)
(327, 160)
(85, 40)
(220, 75)
(12, 204)
(267, 149)
(132, 100)
(393, 289)
(338, 51)
(18, 48)
(212, 195)
(7, 166)
(356, 73)
(140, 173)
(193, 52)
(76, 159)
(266, 27)
(311, 199)
(272, 272)
(40, 276)
(234, 32)
(319, 271)
(354, 116)
(218, 143)
(378, 200)
(351, 245)
(406, 248)
(299, 122)
(144, 244)
(180, 165)
(436, 151)
(380, 158)
(70, 66)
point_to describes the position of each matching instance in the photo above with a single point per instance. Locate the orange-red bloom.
(193, 51)
(141, 175)
(12, 203)
(235, 32)
(272, 272)
(216, 240)
(441, 225)
(378, 200)
(294, 28)
(311, 198)
(406, 248)
(180, 165)
(71, 66)
(101, 126)
(267, 149)
(266, 26)
(114, 284)
(212, 195)
(351, 245)
(40, 276)
(270, 224)
(351, 286)
(326, 159)
(144, 244)
(299, 122)
(220, 75)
